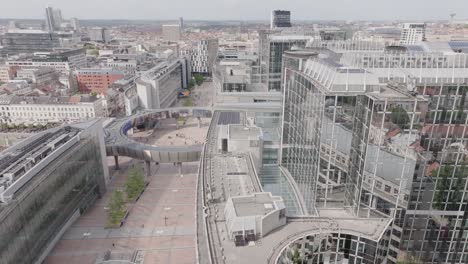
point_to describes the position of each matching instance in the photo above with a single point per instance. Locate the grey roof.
(257, 204)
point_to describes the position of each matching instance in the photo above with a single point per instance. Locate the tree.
(400, 117)
(135, 183)
(198, 78)
(296, 256)
(191, 84)
(116, 208)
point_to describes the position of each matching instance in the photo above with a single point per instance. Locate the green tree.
(198, 78)
(191, 84)
(400, 117)
(116, 208)
(296, 256)
(443, 185)
(135, 183)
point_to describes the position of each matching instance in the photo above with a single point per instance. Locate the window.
(378, 184)
(388, 188)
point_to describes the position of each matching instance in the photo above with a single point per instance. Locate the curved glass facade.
(336, 248)
(302, 117)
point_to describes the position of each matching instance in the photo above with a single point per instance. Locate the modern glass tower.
(383, 133)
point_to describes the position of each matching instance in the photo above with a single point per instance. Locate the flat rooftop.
(257, 204)
(240, 132)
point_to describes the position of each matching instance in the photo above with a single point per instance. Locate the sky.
(240, 9)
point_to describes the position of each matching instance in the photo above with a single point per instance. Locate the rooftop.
(256, 204)
(47, 100)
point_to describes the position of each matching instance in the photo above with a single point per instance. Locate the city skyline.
(241, 10)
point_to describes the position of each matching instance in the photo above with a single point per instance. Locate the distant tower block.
(181, 24)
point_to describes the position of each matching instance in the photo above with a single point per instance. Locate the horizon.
(240, 10)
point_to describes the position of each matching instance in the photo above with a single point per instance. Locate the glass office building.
(387, 134)
(64, 188)
(334, 248)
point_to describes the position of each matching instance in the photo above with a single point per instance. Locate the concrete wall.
(272, 221)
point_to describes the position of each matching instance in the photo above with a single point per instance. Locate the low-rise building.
(7, 73)
(49, 109)
(251, 217)
(62, 60)
(37, 75)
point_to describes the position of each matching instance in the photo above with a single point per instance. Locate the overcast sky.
(239, 9)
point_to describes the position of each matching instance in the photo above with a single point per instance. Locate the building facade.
(61, 60)
(99, 34)
(48, 109)
(203, 56)
(18, 41)
(171, 32)
(280, 19)
(383, 137)
(158, 87)
(413, 33)
(96, 80)
(46, 182)
(271, 48)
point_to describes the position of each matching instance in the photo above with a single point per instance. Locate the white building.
(62, 60)
(251, 217)
(158, 87)
(203, 55)
(49, 109)
(413, 33)
(171, 32)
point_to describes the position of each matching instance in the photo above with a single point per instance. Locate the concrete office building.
(158, 87)
(171, 32)
(46, 182)
(203, 55)
(99, 34)
(280, 19)
(37, 75)
(412, 33)
(62, 60)
(18, 41)
(49, 109)
(96, 80)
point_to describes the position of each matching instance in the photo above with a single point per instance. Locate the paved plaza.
(161, 224)
(167, 133)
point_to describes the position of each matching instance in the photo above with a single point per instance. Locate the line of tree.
(117, 209)
(135, 183)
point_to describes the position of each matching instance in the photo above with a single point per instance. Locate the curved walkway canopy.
(119, 144)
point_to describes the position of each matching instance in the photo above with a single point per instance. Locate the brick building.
(96, 80)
